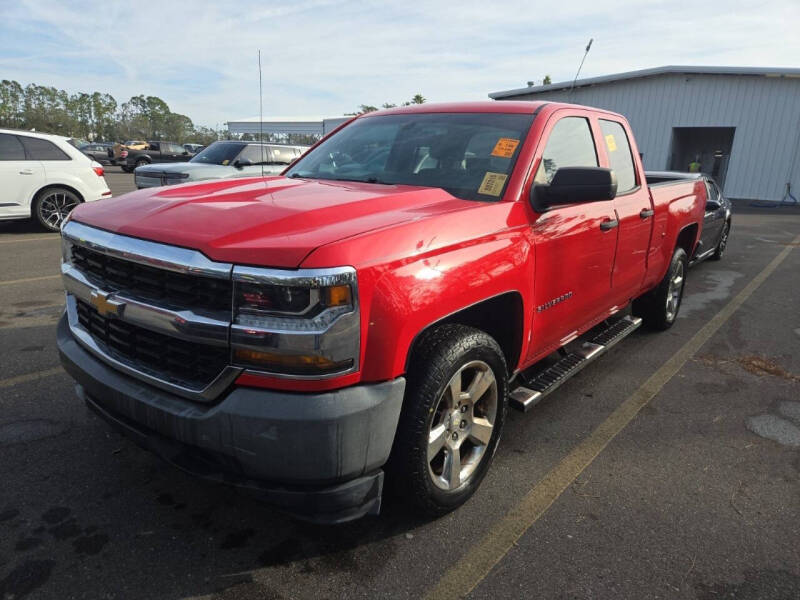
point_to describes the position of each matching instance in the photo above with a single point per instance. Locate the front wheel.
(452, 418)
(659, 308)
(141, 163)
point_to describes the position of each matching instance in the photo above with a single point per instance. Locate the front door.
(574, 245)
(714, 218)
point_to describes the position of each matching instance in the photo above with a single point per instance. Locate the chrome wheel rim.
(55, 207)
(674, 292)
(462, 425)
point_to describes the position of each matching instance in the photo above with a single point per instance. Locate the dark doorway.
(710, 146)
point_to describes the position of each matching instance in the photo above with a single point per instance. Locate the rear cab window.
(620, 158)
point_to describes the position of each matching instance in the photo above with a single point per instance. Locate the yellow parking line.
(32, 239)
(12, 381)
(478, 561)
(29, 279)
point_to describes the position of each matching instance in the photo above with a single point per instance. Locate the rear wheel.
(52, 206)
(452, 418)
(659, 308)
(723, 241)
(141, 163)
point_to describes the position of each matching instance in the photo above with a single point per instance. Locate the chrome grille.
(165, 288)
(177, 361)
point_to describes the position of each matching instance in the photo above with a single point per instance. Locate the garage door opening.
(710, 146)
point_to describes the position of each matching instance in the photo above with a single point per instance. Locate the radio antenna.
(260, 114)
(588, 46)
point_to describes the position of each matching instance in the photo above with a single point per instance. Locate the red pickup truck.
(376, 308)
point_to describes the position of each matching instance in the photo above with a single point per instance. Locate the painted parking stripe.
(31, 239)
(29, 279)
(12, 381)
(478, 561)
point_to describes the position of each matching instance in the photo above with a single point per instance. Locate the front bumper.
(317, 456)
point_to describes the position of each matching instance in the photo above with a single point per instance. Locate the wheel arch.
(687, 239)
(506, 330)
(51, 186)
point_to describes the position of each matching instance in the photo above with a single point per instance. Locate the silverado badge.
(106, 306)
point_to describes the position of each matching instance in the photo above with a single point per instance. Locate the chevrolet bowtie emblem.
(106, 306)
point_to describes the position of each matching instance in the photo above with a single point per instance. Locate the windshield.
(470, 155)
(218, 153)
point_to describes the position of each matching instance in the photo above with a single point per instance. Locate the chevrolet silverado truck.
(370, 313)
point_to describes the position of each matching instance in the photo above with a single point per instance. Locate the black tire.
(52, 205)
(141, 163)
(441, 355)
(719, 251)
(653, 307)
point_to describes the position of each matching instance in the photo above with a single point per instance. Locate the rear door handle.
(609, 224)
(646, 213)
(26, 172)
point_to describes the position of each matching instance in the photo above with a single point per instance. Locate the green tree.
(547, 80)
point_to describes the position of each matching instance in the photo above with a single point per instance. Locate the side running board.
(544, 382)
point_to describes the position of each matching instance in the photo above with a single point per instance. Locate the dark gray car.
(717, 220)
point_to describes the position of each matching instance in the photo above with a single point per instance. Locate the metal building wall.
(764, 110)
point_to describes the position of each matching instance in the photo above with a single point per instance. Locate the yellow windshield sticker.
(505, 147)
(225, 162)
(492, 183)
(611, 143)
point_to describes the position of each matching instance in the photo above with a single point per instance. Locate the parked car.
(156, 152)
(717, 219)
(102, 152)
(373, 311)
(120, 151)
(221, 160)
(44, 176)
(193, 148)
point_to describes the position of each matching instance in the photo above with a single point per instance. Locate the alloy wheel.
(462, 425)
(55, 207)
(674, 292)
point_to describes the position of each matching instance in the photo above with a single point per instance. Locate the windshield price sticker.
(492, 183)
(505, 147)
(611, 143)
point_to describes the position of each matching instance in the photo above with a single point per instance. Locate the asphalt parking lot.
(668, 469)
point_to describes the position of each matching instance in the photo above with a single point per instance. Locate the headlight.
(301, 323)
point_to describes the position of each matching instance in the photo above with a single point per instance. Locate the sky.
(326, 57)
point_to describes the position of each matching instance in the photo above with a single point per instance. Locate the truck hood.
(272, 221)
(187, 167)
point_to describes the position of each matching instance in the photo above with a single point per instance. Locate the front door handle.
(609, 224)
(26, 172)
(646, 213)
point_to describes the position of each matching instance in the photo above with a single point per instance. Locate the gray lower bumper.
(316, 455)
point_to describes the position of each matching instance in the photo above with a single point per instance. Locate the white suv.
(45, 177)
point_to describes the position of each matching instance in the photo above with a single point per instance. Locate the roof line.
(669, 69)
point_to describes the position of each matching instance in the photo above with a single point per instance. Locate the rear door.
(19, 176)
(174, 152)
(633, 208)
(574, 254)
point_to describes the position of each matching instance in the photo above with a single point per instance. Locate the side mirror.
(575, 185)
(712, 205)
(242, 162)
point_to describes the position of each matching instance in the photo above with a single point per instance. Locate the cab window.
(619, 155)
(570, 144)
